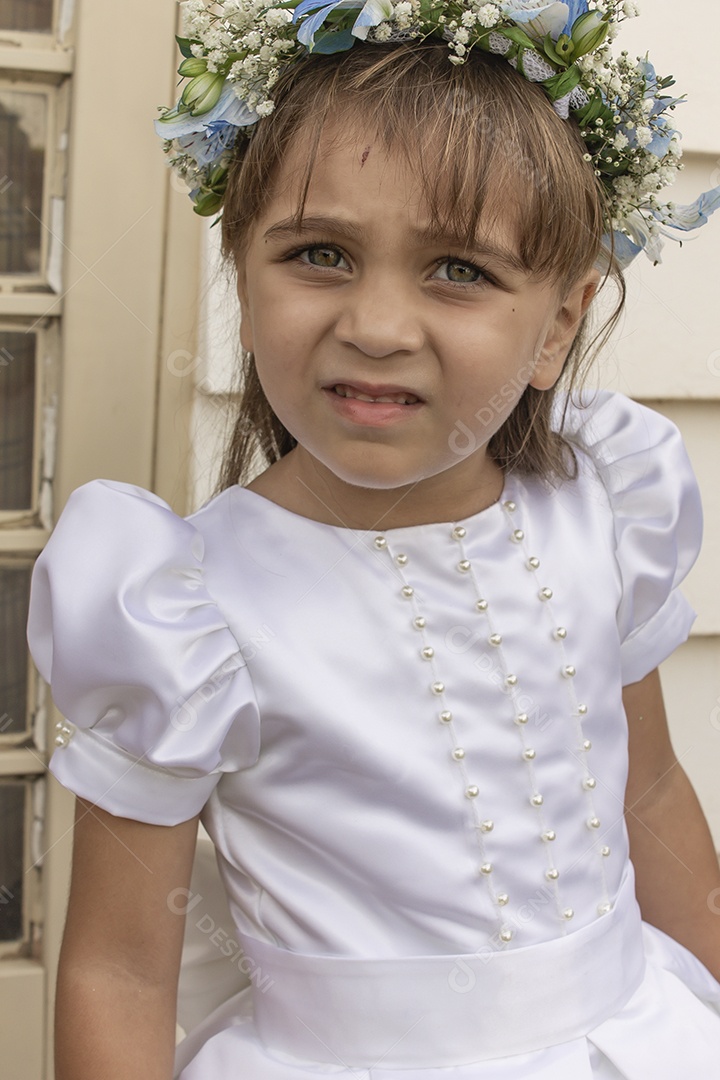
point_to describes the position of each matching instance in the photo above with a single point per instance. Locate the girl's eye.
(322, 255)
(460, 273)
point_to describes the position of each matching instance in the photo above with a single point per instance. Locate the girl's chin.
(381, 470)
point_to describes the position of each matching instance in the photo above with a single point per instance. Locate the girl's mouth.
(380, 395)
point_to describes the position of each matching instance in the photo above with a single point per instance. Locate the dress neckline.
(475, 520)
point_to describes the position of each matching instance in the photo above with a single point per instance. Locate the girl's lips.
(376, 406)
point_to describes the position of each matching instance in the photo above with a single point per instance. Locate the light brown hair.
(482, 141)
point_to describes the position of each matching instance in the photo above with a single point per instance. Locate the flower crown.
(235, 50)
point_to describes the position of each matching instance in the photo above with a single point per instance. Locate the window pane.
(12, 815)
(14, 595)
(23, 132)
(17, 416)
(26, 14)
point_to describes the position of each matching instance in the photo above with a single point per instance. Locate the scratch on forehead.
(365, 156)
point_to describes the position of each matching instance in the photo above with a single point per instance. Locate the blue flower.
(576, 8)
(372, 13)
(692, 216)
(205, 136)
(539, 19)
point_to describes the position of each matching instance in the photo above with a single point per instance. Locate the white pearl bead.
(458, 753)
(568, 913)
(511, 680)
(517, 536)
(401, 560)
(552, 875)
(510, 505)
(438, 688)
(408, 591)
(605, 850)
(445, 716)
(419, 623)
(582, 710)
(529, 754)
(486, 868)
(482, 605)
(589, 783)
(603, 909)
(463, 566)
(568, 671)
(560, 634)
(502, 899)
(545, 594)
(533, 563)
(506, 934)
(549, 834)
(593, 823)
(459, 532)
(521, 718)
(487, 826)
(427, 653)
(380, 542)
(60, 740)
(587, 745)
(472, 791)
(537, 800)
(495, 639)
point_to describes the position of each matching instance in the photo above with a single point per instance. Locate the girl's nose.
(380, 318)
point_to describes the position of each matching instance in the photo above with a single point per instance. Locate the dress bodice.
(424, 725)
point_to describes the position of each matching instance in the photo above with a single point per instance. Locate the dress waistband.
(449, 1010)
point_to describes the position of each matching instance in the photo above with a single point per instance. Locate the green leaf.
(184, 46)
(563, 83)
(518, 36)
(548, 47)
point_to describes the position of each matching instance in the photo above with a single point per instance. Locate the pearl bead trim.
(528, 755)
(578, 710)
(472, 792)
(65, 731)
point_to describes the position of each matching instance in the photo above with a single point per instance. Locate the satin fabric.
(271, 670)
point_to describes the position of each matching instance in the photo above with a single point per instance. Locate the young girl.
(406, 674)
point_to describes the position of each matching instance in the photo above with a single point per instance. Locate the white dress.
(411, 752)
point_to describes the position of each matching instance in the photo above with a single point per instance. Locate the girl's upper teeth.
(401, 398)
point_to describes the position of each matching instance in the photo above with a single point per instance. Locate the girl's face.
(390, 352)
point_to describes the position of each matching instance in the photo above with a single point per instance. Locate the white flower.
(462, 35)
(488, 15)
(252, 40)
(382, 32)
(630, 9)
(644, 136)
(621, 141)
(265, 108)
(278, 17)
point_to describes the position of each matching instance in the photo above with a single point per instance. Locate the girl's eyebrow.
(291, 228)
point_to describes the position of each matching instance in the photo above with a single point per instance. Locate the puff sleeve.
(139, 658)
(641, 460)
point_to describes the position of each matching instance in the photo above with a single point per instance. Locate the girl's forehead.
(351, 173)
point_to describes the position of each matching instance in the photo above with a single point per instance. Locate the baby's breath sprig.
(234, 50)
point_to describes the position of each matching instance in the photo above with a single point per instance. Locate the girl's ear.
(246, 337)
(561, 332)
